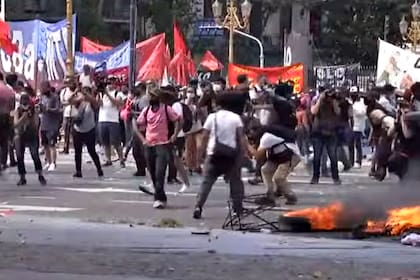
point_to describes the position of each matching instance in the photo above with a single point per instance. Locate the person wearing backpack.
(176, 164)
(161, 126)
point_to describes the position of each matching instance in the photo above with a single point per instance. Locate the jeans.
(138, 155)
(32, 142)
(330, 143)
(356, 147)
(302, 141)
(88, 139)
(178, 151)
(157, 158)
(213, 169)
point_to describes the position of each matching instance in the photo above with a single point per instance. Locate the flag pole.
(3, 10)
(133, 38)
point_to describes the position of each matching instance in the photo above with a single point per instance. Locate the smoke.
(374, 203)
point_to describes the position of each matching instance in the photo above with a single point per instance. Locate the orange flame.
(321, 218)
(398, 221)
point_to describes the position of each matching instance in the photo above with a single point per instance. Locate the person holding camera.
(26, 123)
(326, 113)
(84, 132)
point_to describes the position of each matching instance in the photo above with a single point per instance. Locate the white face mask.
(199, 92)
(217, 87)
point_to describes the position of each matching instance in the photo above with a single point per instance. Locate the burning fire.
(320, 218)
(397, 222)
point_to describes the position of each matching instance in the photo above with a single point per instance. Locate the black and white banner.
(336, 76)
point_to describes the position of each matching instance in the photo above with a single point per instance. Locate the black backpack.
(187, 118)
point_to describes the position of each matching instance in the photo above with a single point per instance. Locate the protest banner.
(293, 73)
(336, 76)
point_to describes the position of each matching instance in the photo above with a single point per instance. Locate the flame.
(399, 220)
(321, 218)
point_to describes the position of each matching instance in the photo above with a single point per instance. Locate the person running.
(26, 123)
(162, 125)
(84, 132)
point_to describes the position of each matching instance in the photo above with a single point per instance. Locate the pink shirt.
(157, 124)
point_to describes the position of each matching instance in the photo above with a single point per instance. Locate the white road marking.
(133, 201)
(117, 190)
(39, 197)
(17, 208)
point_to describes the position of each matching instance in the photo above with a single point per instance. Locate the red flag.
(152, 58)
(192, 71)
(181, 69)
(210, 62)
(5, 41)
(88, 46)
(179, 42)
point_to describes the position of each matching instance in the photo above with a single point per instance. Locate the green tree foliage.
(350, 29)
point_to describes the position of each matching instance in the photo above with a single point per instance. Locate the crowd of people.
(209, 129)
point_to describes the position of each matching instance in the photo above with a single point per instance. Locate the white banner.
(397, 66)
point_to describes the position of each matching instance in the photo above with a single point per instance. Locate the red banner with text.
(293, 73)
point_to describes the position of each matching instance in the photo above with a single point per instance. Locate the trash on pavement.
(412, 239)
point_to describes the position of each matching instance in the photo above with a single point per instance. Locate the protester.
(110, 102)
(84, 132)
(69, 111)
(7, 105)
(326, 113)
(223, 146)
(26, 123)
(161, 125)
(50, 123)
(359, 127)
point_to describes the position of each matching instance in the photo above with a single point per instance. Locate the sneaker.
(255, 181)
(315, 181)
(139, 174)
(291, 199)
(122, 164)
(357, 166)
(184, 188)
(42, 180)
(52, 167)
(146, 190)
(159, 204)
(21, 182)
(174, 181)
(197, 213)
(107, 164)
(78, 175)
(100, 173)
(265, 201)
(46, 166)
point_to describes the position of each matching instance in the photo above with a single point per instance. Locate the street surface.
(104, 229)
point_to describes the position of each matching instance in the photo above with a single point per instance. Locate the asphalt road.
(92, 228)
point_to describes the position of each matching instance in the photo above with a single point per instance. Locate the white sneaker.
(184, 188)
(159, 204)
(357, 166)
(52, 167)
(46, 166)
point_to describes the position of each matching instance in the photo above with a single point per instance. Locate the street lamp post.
(69, 26)
(232, 21)
(410, 32)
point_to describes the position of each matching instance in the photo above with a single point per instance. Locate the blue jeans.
(330, 143)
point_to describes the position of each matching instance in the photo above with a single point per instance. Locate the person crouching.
(281, 157)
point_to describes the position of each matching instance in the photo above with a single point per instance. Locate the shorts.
(49, 138)
(109, 133)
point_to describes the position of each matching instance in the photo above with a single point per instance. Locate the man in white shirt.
(224, 144)
(110, 101)
(69, 111)
(359, 127)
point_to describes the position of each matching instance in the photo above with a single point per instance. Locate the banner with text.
(293, 73)
(42, 50)
(397, 66)
(336, 76)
